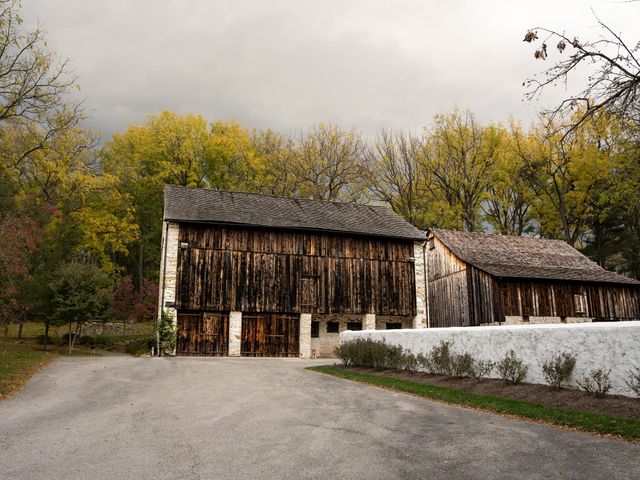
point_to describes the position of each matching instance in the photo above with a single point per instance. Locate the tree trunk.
(46, 335)
(70, 344)
(75, 335)
(141, 266)
(124, 327)
(20, 330)
(6, 336)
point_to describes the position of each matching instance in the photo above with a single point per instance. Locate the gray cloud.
(289, 64)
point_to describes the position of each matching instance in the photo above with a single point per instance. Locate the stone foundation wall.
(518, 320)
(235, 333)
(325, 344)
(381, 321)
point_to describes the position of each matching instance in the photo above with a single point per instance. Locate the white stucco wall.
(614, 345)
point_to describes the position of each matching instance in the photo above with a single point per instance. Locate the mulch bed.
(612, 405)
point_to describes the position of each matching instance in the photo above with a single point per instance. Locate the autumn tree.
(129, 305)
(34, 84)
(329, 164)
(169, 148)
(397, 175)
(508, 205)
(459, 156)
(565, 175)
(81, 291)
(21, 237)
(276, 152)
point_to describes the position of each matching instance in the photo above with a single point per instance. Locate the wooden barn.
(475, 279)
(259, 275)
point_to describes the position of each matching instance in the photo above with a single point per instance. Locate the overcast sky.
(289, 64)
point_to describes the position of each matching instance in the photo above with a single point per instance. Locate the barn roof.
(526, 257)
(201, 205)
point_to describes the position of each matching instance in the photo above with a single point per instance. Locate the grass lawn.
(583, 421)
(18, 365)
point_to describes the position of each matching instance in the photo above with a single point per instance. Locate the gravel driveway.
(190, 418)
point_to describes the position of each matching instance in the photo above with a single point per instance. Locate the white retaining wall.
(614, 346)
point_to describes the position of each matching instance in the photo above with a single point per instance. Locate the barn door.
(270, 335)
(205, 334)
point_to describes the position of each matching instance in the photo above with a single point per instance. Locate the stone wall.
(235, 333)
(305, 335)
(518, 320)
(420, 320)
(168, 270)
(382, 320)
(611, 346)
(325, 344)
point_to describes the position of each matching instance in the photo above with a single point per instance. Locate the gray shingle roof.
(526, 257)
(201, 205)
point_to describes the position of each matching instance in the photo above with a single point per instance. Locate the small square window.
(315, 329)
(580, 303)
(394, 326)
(333, 327)
(354, 326)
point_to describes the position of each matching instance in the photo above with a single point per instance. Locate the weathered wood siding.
(484, 298)
(462, 295)
(270, 335)
(241, 269)
(556, 299)
(448, 292)
(202, 333)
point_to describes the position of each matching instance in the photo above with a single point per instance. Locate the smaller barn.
(475, 279)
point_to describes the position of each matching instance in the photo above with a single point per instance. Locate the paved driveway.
(128, 418)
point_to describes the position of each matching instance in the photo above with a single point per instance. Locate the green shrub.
(410, 362)
(166, 328)
(439, 359)
(140, 347)
(482, 368)
(558, 369)
(596, 383)
(512, 369)
(633, 380)
(97, 341)
(53, 340)
(369, 353)
(461, 365)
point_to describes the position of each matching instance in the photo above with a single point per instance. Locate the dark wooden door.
(205, 334)
(270, 335)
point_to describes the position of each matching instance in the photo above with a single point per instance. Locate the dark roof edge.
(628, 280)
(295, 199)
(294, 229)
